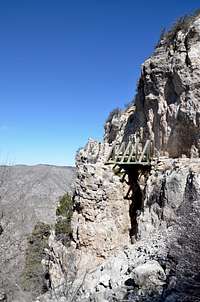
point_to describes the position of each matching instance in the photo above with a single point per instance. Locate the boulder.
(149, 275)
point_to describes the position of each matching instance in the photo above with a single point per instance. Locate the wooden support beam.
(136, 150)
(127, 147)
(120, 149)
(131, 154)
(144, 150)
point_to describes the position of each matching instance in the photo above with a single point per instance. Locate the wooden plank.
(144, 150)
(110, 162)
(131, 154)
(120, 148)
(142, 163)
(127, 147)
(136, 149)
(120, 157)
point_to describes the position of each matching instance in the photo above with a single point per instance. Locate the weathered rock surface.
(167, 238)
(149, 275)
(167, 102)
(138, 237)
(29, 194)
(101, 212)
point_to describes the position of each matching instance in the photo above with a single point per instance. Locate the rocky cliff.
(136, 239)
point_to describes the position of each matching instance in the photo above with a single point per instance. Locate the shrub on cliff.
(182, 24)
(33, 275)
(63, 223)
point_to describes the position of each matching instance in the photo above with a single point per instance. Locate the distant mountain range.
(28, 195)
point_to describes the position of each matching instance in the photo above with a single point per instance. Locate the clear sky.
(65, 64)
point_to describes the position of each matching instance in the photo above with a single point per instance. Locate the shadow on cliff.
(134, 123)
(136, 195)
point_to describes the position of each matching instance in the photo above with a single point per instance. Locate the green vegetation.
(62, 227)
(65, 206)
(33, 275)
(182, 23)
(63, 224)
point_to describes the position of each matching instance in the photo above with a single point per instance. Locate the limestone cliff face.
(135, 246)
(101, 219)
(167, 106)
(166, 110)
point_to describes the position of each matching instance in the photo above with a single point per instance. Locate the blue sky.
(65, 64)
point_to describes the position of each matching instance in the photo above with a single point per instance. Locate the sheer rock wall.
(167, 106)
(166, 110)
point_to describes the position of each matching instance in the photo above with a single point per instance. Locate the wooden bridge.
(131, 153)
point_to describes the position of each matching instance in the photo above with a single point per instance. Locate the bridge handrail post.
(144, 150)
(127, 147)
(120, 149)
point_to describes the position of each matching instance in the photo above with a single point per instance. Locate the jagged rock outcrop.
(167, 102)
(144, 246)
(163, 245)
(101, 212)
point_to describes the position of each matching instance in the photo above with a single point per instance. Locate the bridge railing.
(131, 152)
